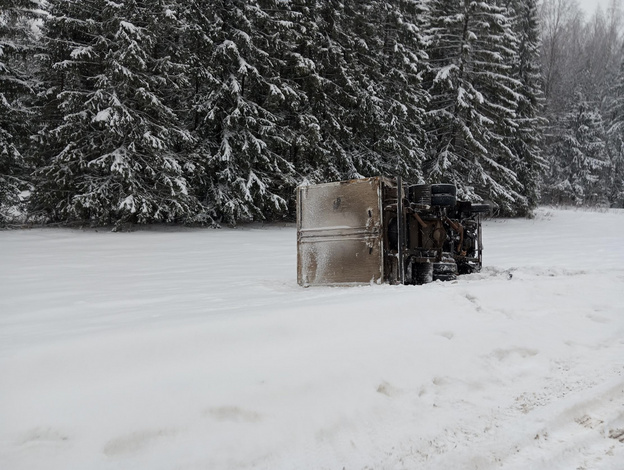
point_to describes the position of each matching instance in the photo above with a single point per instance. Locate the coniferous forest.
(212, 112)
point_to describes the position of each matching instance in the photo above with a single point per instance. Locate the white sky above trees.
(589, 6)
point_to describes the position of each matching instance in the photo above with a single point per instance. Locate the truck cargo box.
(340, 232)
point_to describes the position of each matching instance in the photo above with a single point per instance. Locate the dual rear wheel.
(441, 195)
(444, 270)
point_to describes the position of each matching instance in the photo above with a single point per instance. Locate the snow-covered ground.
(196, 349)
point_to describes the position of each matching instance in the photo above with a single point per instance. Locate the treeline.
(584, 104)
(194, 111)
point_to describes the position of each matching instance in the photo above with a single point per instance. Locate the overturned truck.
(379, 230)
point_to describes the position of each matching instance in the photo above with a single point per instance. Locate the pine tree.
(357, 66)
(16, 89)
(297, 53)
(473, 101)
(579, 160)
(580, 60)
(526, 142)
(615, 134)
(116, 147)
(327, 66)
(353, 70)
(236, 107)
(390, 40)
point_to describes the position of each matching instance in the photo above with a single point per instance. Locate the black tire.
(420, 194)
(422, 273)
(480, 208)
(444, 188)
(443, 200)
(444, 268)
(445, 277)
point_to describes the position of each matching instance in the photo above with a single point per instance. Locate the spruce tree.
(473, 101)
(327, 66)
(615, 133)
(357, 66)
(580, 60)
(526, 141)
(236, 106)
(579, 162)
(115, 149)
(389, 38)
(17, 88)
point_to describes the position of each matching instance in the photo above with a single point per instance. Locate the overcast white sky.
(589, 6)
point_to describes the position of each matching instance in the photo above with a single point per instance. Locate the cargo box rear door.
(339, 233)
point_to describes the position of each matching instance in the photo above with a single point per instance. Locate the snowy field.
(196, 349)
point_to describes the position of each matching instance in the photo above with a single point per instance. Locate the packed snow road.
(196, 349)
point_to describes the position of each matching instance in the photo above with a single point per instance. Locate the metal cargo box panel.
(339, 233)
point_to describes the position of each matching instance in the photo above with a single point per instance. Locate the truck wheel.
(423, 273)
(420, 194)
(444, 268)
(444, 188)
(443, 200)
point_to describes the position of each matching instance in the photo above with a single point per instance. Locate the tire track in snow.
(573, 423)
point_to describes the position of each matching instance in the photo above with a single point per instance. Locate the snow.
(128, 204)
(444, 72)
(128, 26)
(82, 52)
(103, 115)
(195, 349)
